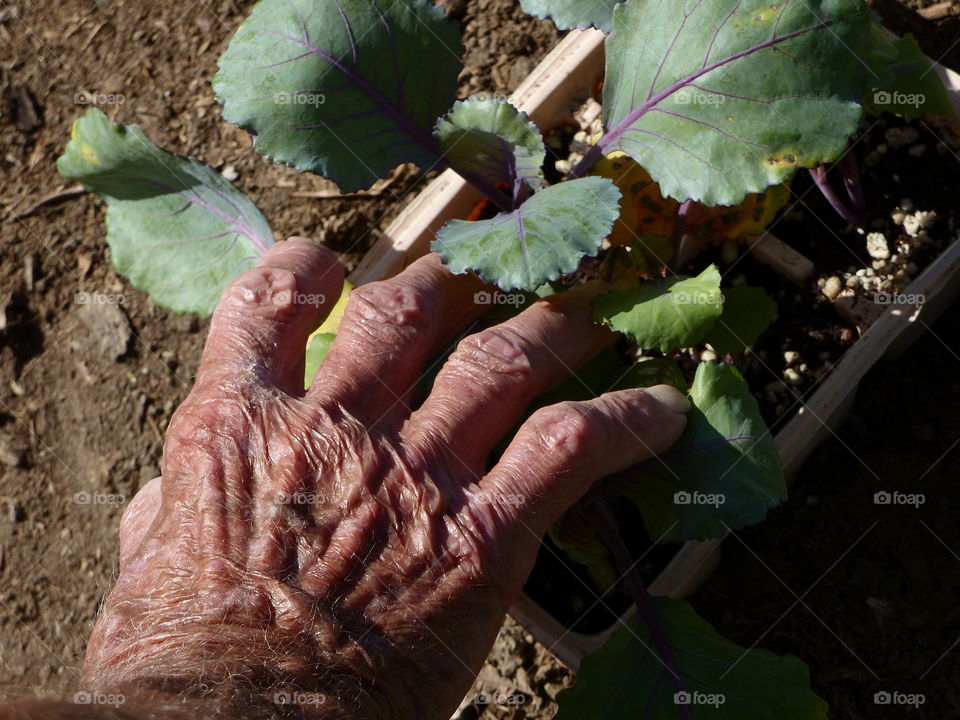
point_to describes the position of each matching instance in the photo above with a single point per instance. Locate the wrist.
(177, 669)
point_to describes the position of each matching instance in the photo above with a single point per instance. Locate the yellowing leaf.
(332, 323)
(644, 210)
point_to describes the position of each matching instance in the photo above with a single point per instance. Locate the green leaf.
(543, 238)
(175, 227)
(576, 536)
(347, 89)
(607, 372)
(570, 14)
(493, 140)
(320, 340)
(747, 312)
(726, 98)
(914, 88)
(626, 678)
(668, 314)
(724, 471)
(318, 345)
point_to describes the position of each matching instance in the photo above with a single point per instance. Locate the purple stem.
(819, 175)
(850, 172)
(606, 524)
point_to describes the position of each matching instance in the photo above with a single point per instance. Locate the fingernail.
(670, 397)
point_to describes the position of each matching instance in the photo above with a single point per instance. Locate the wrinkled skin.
(337, 544)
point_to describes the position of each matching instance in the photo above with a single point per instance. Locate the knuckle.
(391, 305)
(566, 429)
(265, 289)
(495, 351)
(206, 419)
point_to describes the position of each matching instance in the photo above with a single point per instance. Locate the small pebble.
(791, 356)
(230, 173)
(792, 376)
(832, 287)
(917, 150)
(708, 356)
(917, 222)
(877, 246)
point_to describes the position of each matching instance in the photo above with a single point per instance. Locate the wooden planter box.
(557, 85)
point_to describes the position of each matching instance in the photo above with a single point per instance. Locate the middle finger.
(491, 378)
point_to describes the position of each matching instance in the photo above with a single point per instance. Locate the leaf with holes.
(727, 98)
(724, 471)
(175, 227)
(666, 314)
(570, 14)
(348, 89)
(543, 238)
(682, 668)
(492, 140)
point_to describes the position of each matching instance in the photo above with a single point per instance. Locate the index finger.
(259, 330)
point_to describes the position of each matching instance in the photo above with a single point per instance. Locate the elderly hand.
(338, 549)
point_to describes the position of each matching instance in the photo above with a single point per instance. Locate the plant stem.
(498, 198)
(587, 162)
(850, 172)
(676, 237)
(819, 175)
(608, 529)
